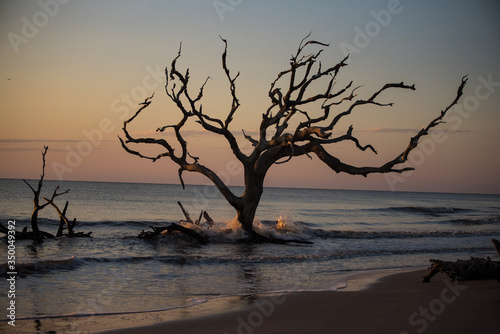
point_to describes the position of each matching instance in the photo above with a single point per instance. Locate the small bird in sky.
(9, 79)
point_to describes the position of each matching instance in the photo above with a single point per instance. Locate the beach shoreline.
(394, 303)
(398, 303)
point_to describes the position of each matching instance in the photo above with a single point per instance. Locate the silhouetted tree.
(36, 199)
(278, 141)
(36, 233)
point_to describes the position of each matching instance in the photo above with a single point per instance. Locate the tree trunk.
(246, 215)
(34, 220)
(254, 187)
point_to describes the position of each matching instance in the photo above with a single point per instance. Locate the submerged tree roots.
(175, 228)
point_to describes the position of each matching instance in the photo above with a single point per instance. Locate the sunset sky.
(71, 71)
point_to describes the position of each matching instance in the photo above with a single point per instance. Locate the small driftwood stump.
(462, 270)
(171, 229)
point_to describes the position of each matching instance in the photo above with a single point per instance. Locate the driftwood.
(28, 235)
(496, 243)
(462, 270)
(40, 236)
(186, 214)
(176, 228)
(256, 238)
(173, 227)
(209, 219)
(197, 222)
(63, 221)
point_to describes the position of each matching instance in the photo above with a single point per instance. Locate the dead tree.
(288, 127)
(36, 233)
(36, 200)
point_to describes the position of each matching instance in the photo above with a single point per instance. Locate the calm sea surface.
(352, 232)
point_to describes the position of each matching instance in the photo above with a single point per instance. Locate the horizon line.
(276, 187)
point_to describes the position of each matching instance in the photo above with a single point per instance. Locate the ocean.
(353, 233)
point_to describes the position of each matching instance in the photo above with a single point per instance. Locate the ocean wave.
(25, 269)
(231, 232)
(173, 259)
(190, 303)
(400, 234)
(425, 210)
(477, 221)
(337, 255)
(126, 223)
(41, 266)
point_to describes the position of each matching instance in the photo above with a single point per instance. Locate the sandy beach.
(398, 303)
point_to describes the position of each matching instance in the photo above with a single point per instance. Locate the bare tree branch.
(232, 87)
(40, 182)
(250, 139)
(338, 166)
(53, 197)
(181, 159)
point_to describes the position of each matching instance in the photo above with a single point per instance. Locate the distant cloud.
(28, 149)
(15, 145)
(406, 130)
(389, 130)
(21, 141)
(26, 145)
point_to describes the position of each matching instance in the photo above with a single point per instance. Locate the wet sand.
(398, 303)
